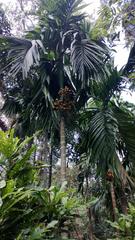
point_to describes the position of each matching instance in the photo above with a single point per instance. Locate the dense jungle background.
(67, 131)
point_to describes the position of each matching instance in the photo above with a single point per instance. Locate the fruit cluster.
(64, 103)
(109, 176)
(65, 91)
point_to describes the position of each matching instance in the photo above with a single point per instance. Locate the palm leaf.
(86, 58)
(107, 87)
(126, 125)
(22, 55)
(101, 139)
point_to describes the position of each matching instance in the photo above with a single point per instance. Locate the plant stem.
(50, 169)
(62, 149)
(113, 200)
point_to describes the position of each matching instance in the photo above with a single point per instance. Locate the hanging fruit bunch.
(65, 101)
(109, 175)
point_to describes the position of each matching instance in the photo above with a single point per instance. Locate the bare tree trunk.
(30, 143)
(35, 152)
(90, 229)
(87, 187)
(113, 200)
(44, 158)
(50, 168)
(124, 202)
(62, 149)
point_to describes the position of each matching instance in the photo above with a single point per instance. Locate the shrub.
(28, 211)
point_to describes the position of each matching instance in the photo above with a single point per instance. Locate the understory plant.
(125, 224)
(28, 211)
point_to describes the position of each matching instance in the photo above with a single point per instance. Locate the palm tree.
(59, 47)
(108, 135)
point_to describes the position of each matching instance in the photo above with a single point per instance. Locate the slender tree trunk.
(62, 149)
(44, 158)
(113, 200)
(50, 169)
(124, 202)
(87, 187)
(35, 152)
(62, 124)
(90, 228)
(30, 143)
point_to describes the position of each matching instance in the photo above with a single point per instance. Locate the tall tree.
(108, 136)
(63, 46)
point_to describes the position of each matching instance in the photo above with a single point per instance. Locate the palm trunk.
(63, 149)
(113, 200)
(87, 187)
(50, 169)
(30, 143)
(44, 158)
(124, 202)
(35, 152)
(90, 228)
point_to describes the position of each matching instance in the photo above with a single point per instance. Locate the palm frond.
(108, 86)
(126, 125)
(12, 106)
(22, 55)
(87, 58)
(130, 65)
(101, 138)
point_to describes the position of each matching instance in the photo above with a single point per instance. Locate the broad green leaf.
(10, 185)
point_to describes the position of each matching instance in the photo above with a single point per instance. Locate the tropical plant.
(58, 80)
(126, 223)
(104, 139)
(113, 17)
(60, 47)
(14, 156)
(28, 211)
(34, 213)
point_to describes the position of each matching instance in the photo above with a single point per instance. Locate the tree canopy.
(67, 168)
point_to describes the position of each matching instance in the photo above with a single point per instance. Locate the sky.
(121, 55)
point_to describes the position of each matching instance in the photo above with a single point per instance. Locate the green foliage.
(32, 213)
(28, 211)
(112, 16)
(107, 127)
(87, 58)
(101, 27)
(59, 32)
(61, 51)
(11, 146)
(23, 54)
(126, 223)
(15, 158)
(8, 144)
